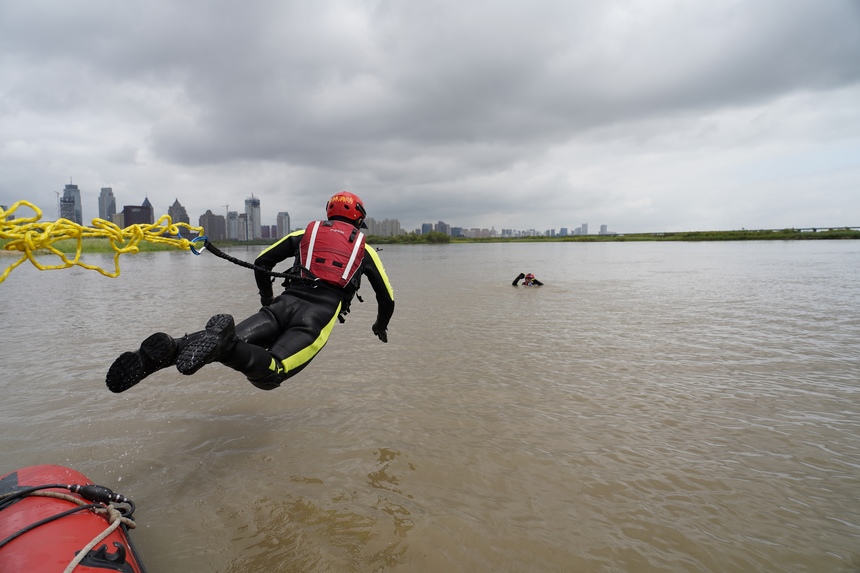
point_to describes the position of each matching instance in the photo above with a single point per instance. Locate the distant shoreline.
(687, 236)
(100, 245)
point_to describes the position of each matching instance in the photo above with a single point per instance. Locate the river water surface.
(671, 407)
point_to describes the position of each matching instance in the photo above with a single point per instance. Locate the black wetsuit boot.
(158, 351)
(217, 341)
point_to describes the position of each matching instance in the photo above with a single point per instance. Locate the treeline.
(741, 235)
(744, 235)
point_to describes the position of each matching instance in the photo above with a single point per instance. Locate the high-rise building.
(283, 222)
(178, 213)
(147, 204)
(426, 228)
(585, 228)
(252, 214)
(137, 215)
(214, 226)
(70, 204)
(478, 233)
(384, 228)
(443, 227)
(107, 204)
(244, 230)
(67, 208)
(232, 226)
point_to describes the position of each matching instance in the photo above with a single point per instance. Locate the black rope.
(12, 497)
(290, 275)
(33, 526)
(93, 493)
(218, 253)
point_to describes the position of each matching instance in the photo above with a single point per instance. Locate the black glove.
(266, 300)
(381, 333)
(520, 277)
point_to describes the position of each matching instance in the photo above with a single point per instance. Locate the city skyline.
(389, 226)
(283, 221)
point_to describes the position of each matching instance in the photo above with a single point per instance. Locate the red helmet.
(347, 205)
(530, 277)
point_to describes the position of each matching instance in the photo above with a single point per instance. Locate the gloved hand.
(266, 300)
(381, 333)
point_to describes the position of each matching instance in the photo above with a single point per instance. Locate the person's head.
(347, 207)
(529, 278)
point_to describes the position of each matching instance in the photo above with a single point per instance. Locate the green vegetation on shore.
(742, 235)
(100, 245)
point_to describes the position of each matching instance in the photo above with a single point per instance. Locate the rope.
(220, 254)
(116, 519)
(289, 274)
(114, 516)
(29, 236)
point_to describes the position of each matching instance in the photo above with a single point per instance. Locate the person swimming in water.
(528, 280)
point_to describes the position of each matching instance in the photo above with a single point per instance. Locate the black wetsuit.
(522, 276)
(289, 331)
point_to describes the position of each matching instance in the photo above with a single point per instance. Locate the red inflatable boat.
(53, 519)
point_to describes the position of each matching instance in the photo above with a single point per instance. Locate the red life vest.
(332, 251)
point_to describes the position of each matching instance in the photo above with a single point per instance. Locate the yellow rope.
(29, 236)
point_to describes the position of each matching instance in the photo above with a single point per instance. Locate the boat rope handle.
(116, 519)
(28, 236)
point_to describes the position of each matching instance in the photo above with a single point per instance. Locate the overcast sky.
(644, 115)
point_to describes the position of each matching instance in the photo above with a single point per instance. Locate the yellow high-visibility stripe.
(372, 252)
(275, 367)
(305, 354)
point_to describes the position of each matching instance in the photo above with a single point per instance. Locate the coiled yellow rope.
(29, 236)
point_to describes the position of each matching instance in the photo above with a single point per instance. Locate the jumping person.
(289, 330)
(528, 280)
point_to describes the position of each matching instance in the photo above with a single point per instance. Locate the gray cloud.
(543, 114)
